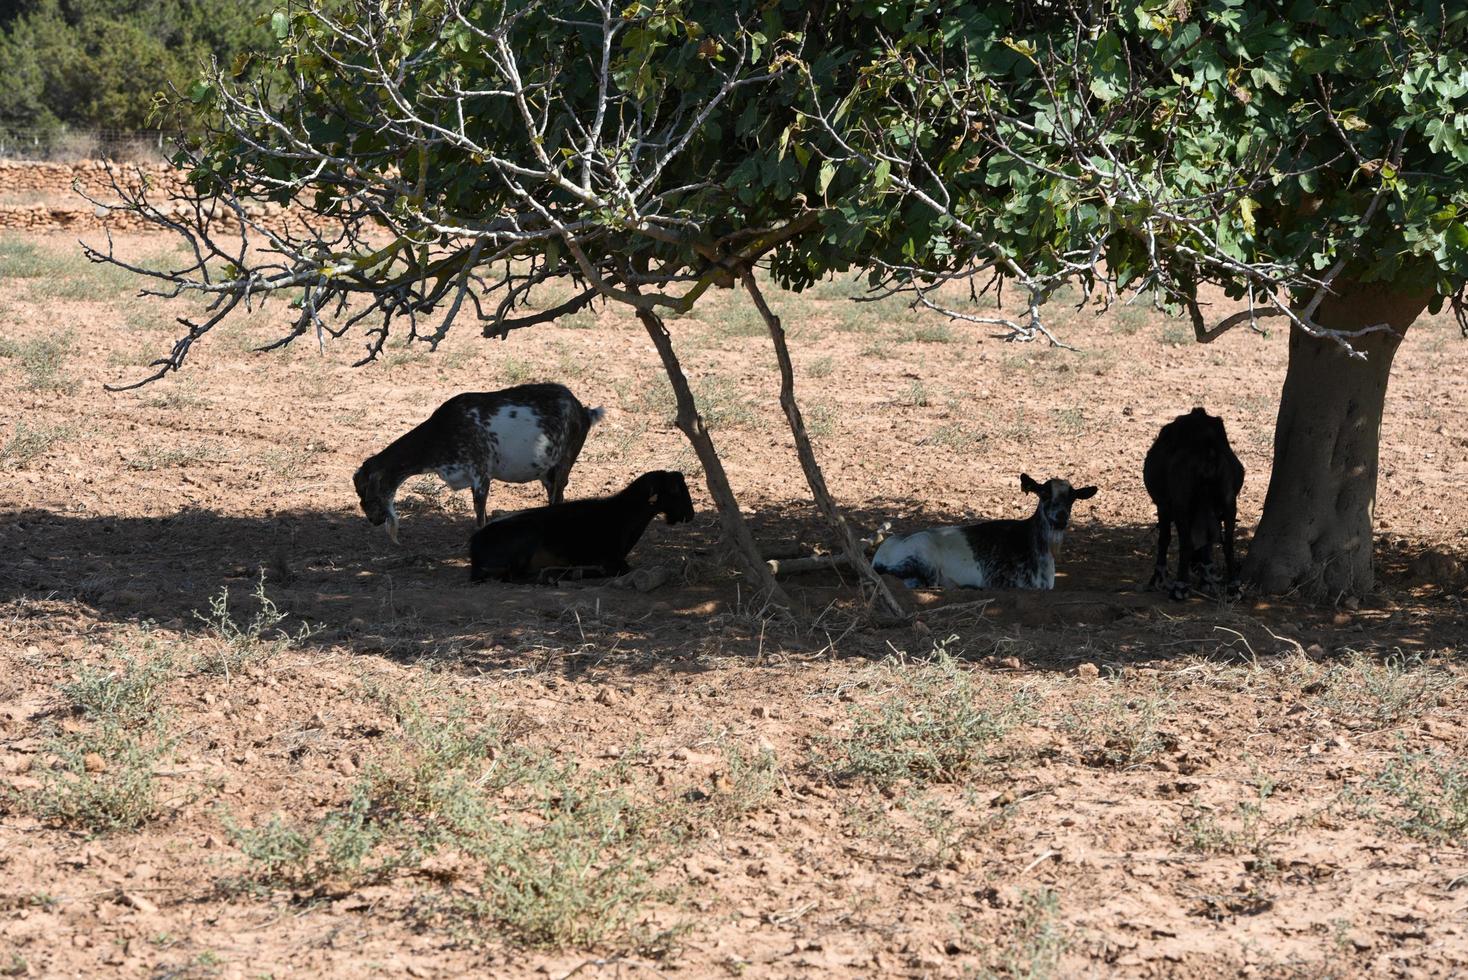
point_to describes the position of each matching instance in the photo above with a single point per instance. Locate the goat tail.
(594, 415)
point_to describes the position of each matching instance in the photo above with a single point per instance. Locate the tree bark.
(1315, 534)
(845, 539)
(691, 423)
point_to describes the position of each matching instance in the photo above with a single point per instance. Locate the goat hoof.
(1157, 582)
(1179, 590)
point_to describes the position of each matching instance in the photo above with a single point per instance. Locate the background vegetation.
(86, 64)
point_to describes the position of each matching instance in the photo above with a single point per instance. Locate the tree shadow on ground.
(414, 601)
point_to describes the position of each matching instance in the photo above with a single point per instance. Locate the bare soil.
(1135, 786)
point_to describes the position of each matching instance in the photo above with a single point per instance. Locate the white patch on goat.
(1043, 574)
(524, 451)
(945, 550)
(456, 475)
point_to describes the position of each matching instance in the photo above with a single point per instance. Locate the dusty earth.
(438, 779)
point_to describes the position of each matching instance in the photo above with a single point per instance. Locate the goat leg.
(1183, 584)
(1164, 541)
(1230, 520)
(481, 502)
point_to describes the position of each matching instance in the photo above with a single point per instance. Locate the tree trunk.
(746, 553)
(845, 539)
(1315, 534)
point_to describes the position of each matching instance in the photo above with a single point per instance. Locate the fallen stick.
(810, 563)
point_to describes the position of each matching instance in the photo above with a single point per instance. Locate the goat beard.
(392, 528)
(1055, 547)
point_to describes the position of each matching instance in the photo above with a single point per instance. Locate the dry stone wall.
(45, 196)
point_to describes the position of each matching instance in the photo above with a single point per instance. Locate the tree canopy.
(1269, 147)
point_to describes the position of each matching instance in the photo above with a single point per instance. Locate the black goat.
(594, 535)
(1194, 478)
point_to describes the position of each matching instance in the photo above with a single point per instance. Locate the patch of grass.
(835, 288)
(1127, 319)
(747, 781)
(939, 722)
(71, 275)
(518, 371)
(578, 872)
(955, 436)
(235, 645)
(21, 259)
(876, 315)
(1176, 334)
(1247, 830)
(739, 320)
(1019, 428)
(286, 462)
(1118, 730)
(931, 833)
(929, 333)
(916, 395)
(427, 494)
(127, 691)
(582, 319)
(1070, 421)
(569, 363)
(101, 779)
(1426, 796)
(176, 395)
(820, 420)
(549, 853)
(1034, 942)
(28, 442)
(155, 457)
(1367, 693)
(821, 367)
(721, 404)
(41, 361)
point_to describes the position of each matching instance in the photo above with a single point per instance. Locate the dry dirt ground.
(366, 765)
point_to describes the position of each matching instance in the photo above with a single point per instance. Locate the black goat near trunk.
(1194, 478)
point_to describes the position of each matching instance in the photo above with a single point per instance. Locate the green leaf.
(828, 171)
(280, 24)
(1247, 207)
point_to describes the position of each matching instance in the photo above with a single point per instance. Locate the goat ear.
(1084, 493)
(1028, 485)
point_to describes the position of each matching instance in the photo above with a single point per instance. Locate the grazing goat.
(591, 535)
(1007, 554)
(524, 433)
(1194, 478)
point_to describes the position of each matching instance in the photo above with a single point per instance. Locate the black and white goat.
(593, 536)
(1006, 554)
(1194, 478)
(524, 433)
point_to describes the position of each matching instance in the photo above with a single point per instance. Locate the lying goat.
(591, 535)
(1194, 478)
(524, 433)
(1006, 554)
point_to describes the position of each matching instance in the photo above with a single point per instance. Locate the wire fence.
(69, 145)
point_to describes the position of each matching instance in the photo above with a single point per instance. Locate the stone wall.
(65, 208)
